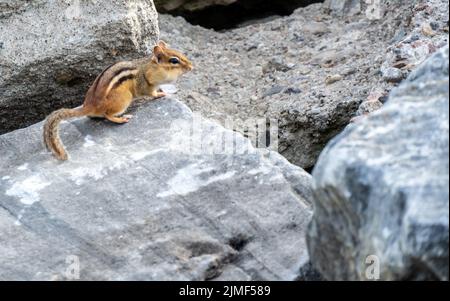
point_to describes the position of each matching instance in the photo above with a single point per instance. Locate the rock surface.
(144, 201)
(381, 187)
(344, 7)
(51, 51)
(311, 71)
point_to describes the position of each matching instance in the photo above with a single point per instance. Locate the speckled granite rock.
(311, 71)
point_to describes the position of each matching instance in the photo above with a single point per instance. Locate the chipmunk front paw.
(157, 95)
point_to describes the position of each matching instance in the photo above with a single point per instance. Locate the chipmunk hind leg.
(117, 103)
(118, 120)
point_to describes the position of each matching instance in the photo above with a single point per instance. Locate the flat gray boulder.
(154, 199)
(382, 188)
(51, 51)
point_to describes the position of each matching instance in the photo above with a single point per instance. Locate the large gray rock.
(51, 51)
(310, 71)
(381, 187)
(150, 201)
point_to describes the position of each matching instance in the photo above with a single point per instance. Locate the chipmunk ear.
(158, 53)
(163, 44)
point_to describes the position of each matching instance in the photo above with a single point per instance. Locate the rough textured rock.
(412, 46)
(51, 51)
(279, 69)
(343, 7)
(145, 202)
(381, 187)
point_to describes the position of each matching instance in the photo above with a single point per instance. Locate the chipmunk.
(115, 89)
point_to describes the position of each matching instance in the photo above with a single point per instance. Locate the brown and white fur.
(115, 89)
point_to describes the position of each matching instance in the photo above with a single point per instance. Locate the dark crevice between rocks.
(308, 273)
(239, 13)
(238, 242)
(309, 169)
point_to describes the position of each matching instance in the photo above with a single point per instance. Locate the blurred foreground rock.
(381, 187)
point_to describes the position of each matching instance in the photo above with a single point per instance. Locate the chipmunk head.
(173, 62)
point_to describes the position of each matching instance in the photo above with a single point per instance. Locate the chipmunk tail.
(51, 132)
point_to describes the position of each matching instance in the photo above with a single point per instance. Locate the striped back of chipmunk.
(110, 78)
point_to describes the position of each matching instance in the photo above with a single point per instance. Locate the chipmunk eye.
(174, 60)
